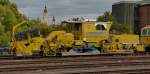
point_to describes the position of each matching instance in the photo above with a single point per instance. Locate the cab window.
(21, 36)
(100, 27)
(144, 32)
(34, 33)
(148, 32)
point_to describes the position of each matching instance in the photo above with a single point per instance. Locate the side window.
(21, 36)
(144, 32)
(100, 27)
(148, 32)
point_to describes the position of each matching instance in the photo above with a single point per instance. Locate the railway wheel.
(147, 49)
(58, 54)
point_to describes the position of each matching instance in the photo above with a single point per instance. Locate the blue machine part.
(84, 50)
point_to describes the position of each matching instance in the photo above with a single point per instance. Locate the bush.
(5, 39)
(121, 28)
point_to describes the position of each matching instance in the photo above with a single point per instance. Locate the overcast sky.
(64, 8)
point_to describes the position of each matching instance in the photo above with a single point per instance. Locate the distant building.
(136, 14)
(142, 14)
(45, 16)
(53, 20)
(123, 12)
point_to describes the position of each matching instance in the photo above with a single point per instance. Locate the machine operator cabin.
(89, 31)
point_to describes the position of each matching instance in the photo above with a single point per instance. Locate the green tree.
(9, 19)
(2, 28)
(9, 16)
(116, 27)
(4, 39)
(18, 15)
(43, 28)
(4, 2)
(106, 17)
(48, 30)
(121, 28)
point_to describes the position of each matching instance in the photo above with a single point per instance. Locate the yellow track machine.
(94, 34)
(145, 38)
(78, 38)
(25, 43)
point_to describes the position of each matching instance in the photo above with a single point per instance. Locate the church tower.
(45, 16)
(53, 20)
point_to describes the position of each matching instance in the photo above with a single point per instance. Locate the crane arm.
(15, 27)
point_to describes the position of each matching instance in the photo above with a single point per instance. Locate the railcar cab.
(145, 31)
(27, 43)
(88, 32)
(75, 27)
(145, 38)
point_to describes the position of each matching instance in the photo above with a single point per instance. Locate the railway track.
(85, 65)
(129, 69)
(76, 56)
(73, 59)
(70, 65)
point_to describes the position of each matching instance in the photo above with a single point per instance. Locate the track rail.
(85, 65)
(73, 59)
(73, 56)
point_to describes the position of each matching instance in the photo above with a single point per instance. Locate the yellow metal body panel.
(140, 48)
(60, 38)
(93, 35)
(78, 42)
(53, 35)
(27, 47)
(125, 38)
(145, 40)
(116, 48)
(57, 39)
(66, 39)
(123, 44)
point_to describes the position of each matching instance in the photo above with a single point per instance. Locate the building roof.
(144, 2)
(124, 2)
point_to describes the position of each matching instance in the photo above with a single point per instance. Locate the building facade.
(142, 14)
(123, 12)
(136, 14)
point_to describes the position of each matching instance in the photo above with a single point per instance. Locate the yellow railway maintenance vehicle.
(145, 38)
(80, 38)
(25, 43)
(94, 34)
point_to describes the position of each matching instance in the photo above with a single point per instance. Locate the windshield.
(146, 32)
(21, 36)
(24, 35)
(34, 33)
